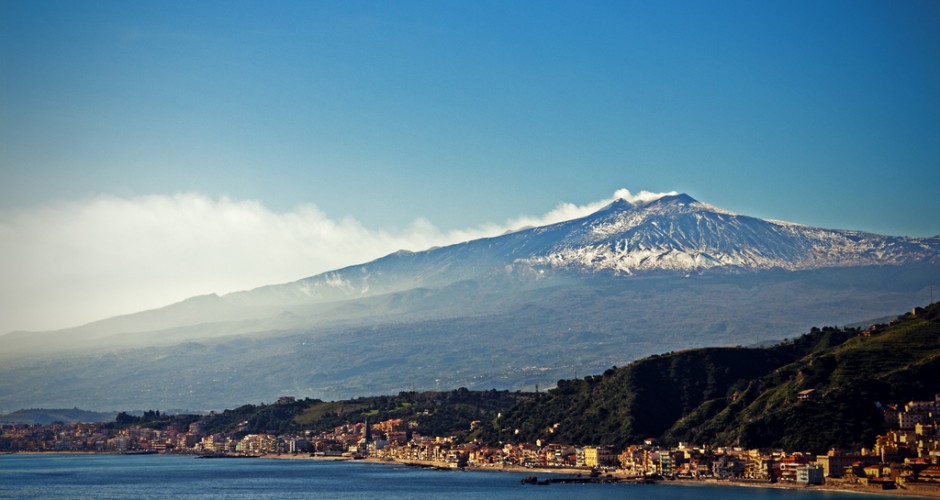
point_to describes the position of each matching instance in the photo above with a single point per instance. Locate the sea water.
(174, 476)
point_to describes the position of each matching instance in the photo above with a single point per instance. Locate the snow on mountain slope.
(673, 234)
(678, 233)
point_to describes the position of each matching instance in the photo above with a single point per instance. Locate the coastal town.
(905, 458)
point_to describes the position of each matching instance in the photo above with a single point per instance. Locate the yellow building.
(591, 457)
(599, 456)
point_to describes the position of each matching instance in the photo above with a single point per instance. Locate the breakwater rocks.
(588, 480)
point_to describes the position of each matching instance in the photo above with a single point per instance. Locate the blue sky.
(388, 120)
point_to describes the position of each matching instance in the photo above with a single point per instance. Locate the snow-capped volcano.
(523, 308)
(672, 234)
(678, 233)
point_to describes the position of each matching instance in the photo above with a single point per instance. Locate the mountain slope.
(673, 235)
(536, 337)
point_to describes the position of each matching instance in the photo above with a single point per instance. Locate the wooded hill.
(745, 396)
(437, 413)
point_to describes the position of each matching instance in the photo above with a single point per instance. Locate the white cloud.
(73, 262)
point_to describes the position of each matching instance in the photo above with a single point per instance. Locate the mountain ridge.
(674, 233)
(637, 244)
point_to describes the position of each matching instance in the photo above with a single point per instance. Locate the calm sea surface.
(169, 476)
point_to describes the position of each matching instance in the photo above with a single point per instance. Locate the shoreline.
(574, 472)
(87, 452)
(619, 475)
(830, 486)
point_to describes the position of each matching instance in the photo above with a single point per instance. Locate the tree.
(125, 418)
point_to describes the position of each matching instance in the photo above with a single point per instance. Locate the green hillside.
(724, 396)
(434, 413)
(896, 364)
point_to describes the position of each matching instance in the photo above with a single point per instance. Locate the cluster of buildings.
(907, 455)
(100, 438)
(647, 459)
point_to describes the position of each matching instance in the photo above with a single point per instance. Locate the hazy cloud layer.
(74, 262)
